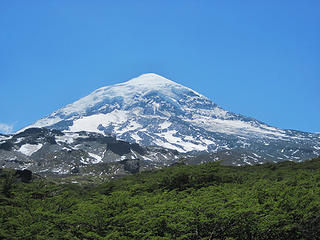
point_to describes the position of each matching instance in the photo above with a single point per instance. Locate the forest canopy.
(207, 201)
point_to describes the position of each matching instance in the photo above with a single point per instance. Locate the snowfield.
(29, 149)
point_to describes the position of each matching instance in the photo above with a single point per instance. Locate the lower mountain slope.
(48, 151)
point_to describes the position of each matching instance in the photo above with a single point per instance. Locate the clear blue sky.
(256, 58)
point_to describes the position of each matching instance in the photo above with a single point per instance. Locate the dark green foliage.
(7, 183)
(209, 201)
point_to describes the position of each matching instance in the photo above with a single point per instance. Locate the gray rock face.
(131, 165)
(52, 151)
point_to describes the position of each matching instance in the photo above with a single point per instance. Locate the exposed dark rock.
(100, 139)
(137, 148)
(131, 165)
(32, 131)
(62, 125)
(7, 146)
(75, 170)
(120, 147)
(51, 140)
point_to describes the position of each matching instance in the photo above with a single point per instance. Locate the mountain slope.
(52, 151)
(152, 110)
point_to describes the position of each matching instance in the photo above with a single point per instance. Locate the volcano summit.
(154, 111)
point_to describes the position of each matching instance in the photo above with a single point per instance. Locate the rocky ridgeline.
(43, 150)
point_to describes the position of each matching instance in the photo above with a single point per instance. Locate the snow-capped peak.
(153, 110)
(127, 93)
(140, 85)
(150, 79)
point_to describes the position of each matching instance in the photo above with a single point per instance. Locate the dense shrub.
(209, 201)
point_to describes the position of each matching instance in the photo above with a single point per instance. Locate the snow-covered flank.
(136, 87)
(236, 127)
(29, 149)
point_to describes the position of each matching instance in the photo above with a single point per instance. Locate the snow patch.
(19, 140)
(29, 149)
(4, 137)
(236, 127)
(165, 125)
(69, 137)
(136, 137)
(91, 123)
(96, 157)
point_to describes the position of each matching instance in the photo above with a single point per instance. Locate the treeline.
(209, 201)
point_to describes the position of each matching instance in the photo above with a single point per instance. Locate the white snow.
(91, 123)
(256, 155)
(136, 137)
(131, 91)
(84, 160)
(136, 87)
(180, 144)
(60, 170)
(168, 135)
(161, 143)
(134, 154)
(190, 138)
(132, 126)
(295, 151)
(207, 141)
(14, 158)
(29, 149)
(47, 121)
(96, 157)
(236, 127)
(225, 147)
(246, 160)
(165, 125)
(19, 140)
(189, 146)
(150, 79)
(68, 137)
(155, 107)
(67, 148)
(5, 137)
